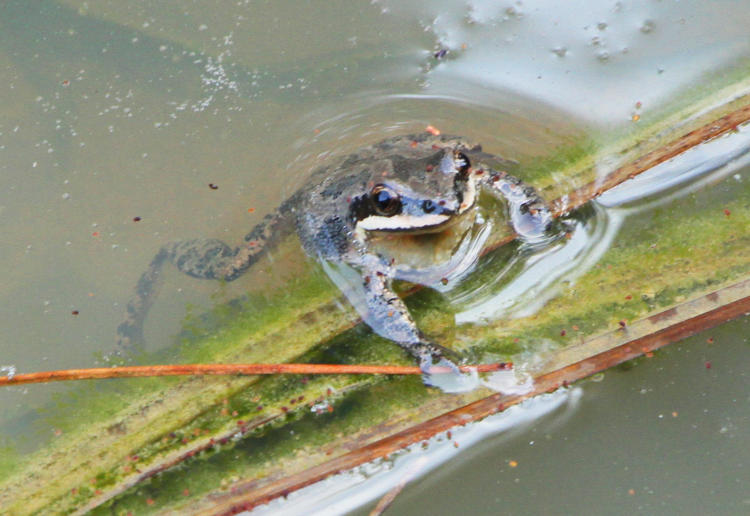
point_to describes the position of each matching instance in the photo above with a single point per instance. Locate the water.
(116, 117)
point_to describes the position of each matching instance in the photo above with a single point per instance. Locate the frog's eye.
(385, 201)
(463, 165)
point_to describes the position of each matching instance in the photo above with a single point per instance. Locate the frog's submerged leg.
(200, 258)
(529, 213)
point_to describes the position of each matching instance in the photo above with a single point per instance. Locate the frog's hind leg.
(200, 258)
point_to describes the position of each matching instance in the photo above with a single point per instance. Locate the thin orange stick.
(230, 369)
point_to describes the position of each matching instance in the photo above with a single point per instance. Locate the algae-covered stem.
(232, 369)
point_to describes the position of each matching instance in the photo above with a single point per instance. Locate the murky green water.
(115, 111)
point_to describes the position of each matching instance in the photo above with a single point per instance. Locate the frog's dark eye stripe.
(386, 202)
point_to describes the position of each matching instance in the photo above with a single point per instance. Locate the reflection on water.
(686, 173)
(533, 275)
(596, 60)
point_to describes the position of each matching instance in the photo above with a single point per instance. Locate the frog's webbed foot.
(529, 214)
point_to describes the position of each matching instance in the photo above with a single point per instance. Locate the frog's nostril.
(428, 206)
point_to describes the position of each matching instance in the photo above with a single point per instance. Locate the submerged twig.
(233, 369)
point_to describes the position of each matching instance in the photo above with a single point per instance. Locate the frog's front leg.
(529, 213)
(386, 313)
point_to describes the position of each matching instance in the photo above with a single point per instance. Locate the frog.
(403, 185)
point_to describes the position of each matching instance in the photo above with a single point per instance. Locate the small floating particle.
(674, 413)
(444, 281)
(186, 492)
(635, 117)
(149, 501)
(66, 82)
(432, 130)
(285, 409)
(440, 53)
(240, 422)
(330, 408)
(649, 354)
(413, 144)
(250, 210)
(638, 105)
(512, 463)
(455, 444)
(136, 219)
(628, 297)
(631, 492)
(708, 365)
(563, 333)
(390, 313)
(213, 186)
(464, 46)
(58, 432)
(575, 327)
(623, 323)
(727, 212)
(235, 413)
(75, 312)
(710, 340)
(259, 408)
(95, 234)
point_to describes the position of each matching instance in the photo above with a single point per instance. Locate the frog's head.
(417, 194)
